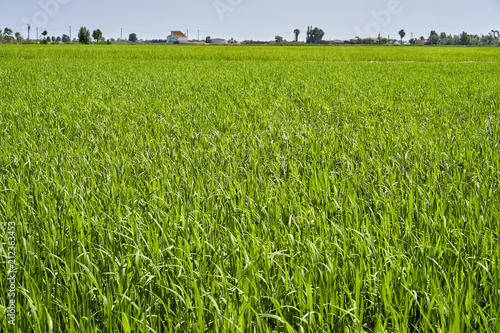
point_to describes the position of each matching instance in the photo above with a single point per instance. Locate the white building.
(332, 41)
(219, 40)
(177, 37)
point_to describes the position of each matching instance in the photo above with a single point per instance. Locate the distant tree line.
(316, 35)
(84, 37)
(491, 39)
(313, 36)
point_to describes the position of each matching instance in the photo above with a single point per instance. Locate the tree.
(314, 35)
(402, 34)
(208, 40)
(278, 39)
(65, 39)
(447, 39)
(7, 32)
(464, 38)
(84, 36)
(132, 38)
(434, 37)
(58, 39)
(475, 40)
(412, 41)
(97, 35)
(45, 39)
(53, 38)
(318, 35)
(487, 39)
(18, 37)
(297, 33)
(496, 35)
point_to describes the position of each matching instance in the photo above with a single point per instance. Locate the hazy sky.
(252, 19)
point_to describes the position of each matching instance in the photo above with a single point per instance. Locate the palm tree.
(18, 37)
(402, 34)
(297, 33)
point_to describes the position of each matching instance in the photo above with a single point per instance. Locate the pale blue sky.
(253, 19)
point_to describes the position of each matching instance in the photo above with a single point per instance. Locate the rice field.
(250, 189)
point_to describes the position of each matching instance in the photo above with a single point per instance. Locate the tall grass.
(238, 189)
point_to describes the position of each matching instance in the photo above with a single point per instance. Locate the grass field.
(250, 189)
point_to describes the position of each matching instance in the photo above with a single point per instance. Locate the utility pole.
(29, 28)
(70, 34)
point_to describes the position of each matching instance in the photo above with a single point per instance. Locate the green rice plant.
(250, 189)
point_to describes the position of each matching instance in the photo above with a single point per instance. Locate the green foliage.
(402, 34)
(6, 35)
(132, 38)
(97, 35)
(7, 32)
(296, 32)
(251, 189)
(465, 38)
(278, 39)
(434, 37)
(84, 36)
(314, 35)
